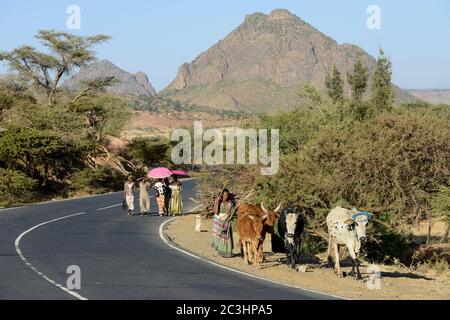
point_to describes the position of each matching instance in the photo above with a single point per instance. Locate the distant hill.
(432, 95)
(128, 84)
(262, 65)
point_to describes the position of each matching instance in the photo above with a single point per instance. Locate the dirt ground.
(396, 283)
(147, 124)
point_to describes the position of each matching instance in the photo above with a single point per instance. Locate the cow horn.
(278, 208)
(262, 207)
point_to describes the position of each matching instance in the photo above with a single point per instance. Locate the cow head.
(359, 222)
(291, 224)
(271, 214)
(258, 224)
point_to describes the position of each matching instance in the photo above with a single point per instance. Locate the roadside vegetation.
(54, 143)
(339, 148)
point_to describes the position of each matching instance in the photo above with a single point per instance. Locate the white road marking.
(109, 207)
(167, 242)
(193, 209)
(17, 245)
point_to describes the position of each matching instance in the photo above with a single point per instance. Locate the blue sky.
(157, 36)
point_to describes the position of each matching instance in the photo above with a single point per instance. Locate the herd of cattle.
(345, 227)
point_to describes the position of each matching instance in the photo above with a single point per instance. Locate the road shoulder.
(180, 232)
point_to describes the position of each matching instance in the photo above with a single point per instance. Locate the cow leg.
(294, 256)
(243, 251)
(251, 253)
(355, 263)
(329, 258)
(256, 260)
(298, 252)
(260, 247)
(261, 251)
(337, 267)
(288, 252)
(244, 247)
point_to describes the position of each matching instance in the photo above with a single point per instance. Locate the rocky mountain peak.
(280, 14)
(262, 64)
(128, 84)
(142, 79)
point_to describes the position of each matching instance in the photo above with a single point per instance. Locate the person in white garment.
(144, 197)
(128, 192)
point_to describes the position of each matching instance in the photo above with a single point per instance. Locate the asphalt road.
(120, 257)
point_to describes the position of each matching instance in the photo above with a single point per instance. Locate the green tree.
(41, 154)
(45, 70)
(15, 187)
(335, 86)
(383, 95)
(13, 94)
(357, 79)
(104, 114)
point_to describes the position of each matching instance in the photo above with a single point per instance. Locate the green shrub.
(96, 181)
(151, 152)
(386, 245)
(15, 187)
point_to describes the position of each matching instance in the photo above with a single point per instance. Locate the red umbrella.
(181, 173)
(159, 173)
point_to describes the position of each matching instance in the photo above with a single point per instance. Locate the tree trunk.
(430, 220)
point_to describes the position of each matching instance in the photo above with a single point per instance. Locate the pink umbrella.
(180, 173)
(159, 173)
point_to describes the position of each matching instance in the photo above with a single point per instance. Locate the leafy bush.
(150, 152)
(41, 154)
(386, 245)
(15, 187)
(96, 181)
(394, 164)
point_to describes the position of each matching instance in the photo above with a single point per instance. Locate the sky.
(158, 36)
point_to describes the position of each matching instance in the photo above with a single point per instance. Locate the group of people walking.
(167, 194)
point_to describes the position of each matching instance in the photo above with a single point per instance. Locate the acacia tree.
(45, 70)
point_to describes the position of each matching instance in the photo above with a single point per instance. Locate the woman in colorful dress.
(176, 202)
(160, 197)
(167, 195)
(222, 236)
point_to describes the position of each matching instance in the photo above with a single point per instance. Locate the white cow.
(347, 227)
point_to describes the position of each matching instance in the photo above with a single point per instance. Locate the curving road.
(120, 257)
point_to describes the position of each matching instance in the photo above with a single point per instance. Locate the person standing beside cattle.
(222, 238)
(144, 198)
(160, 197)
(128, 193)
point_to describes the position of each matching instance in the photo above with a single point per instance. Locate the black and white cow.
(290, 228)
(347, 227)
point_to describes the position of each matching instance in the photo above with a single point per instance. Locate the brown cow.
(249, 229)
(268, 217)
